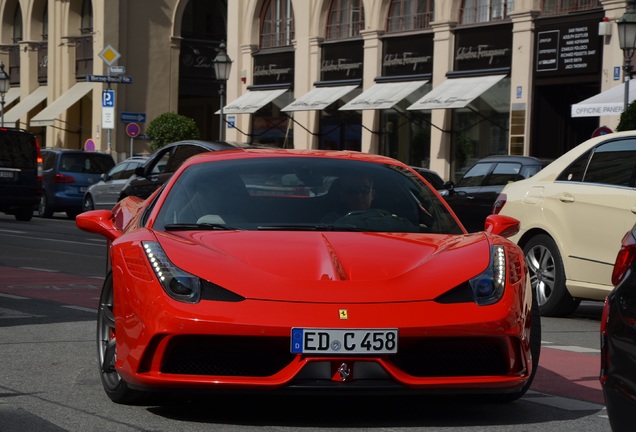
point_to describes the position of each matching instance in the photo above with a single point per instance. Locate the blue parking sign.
(108, 99)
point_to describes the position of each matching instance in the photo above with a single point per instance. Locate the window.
(555, 7)
(87, 17)
(476, 175)
(408, 15)
(346, 19)
(576, 170)
(613, 164)
(504, 173)
(277, 25)
(17, 25)
(479, 11)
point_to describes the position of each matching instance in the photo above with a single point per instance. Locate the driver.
(354, 193)
(357, 193)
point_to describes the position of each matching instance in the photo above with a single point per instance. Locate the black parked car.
(20, 173)
(474, 194)
(66, 177)
(430, 176)
(618, 339)
(163, 163)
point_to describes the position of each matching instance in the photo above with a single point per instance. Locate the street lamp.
(222, 65)
(627, 41)
(4, 88)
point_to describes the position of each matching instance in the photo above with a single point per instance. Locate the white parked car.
(104, 194)
(573, 215)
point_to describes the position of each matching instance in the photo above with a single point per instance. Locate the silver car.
(105, 193)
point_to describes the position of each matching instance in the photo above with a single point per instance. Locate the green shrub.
(170, 127)
(628, 118)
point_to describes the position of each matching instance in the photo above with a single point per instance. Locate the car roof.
(526, 160)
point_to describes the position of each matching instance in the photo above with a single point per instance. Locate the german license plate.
(344, 341)
(7, 175)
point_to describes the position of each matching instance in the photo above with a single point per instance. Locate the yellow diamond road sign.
(109, 55)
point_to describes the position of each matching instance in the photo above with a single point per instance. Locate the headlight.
(178, 284)
(488, 287)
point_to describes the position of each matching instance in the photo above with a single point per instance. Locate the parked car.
(396, 294)
(66, 176)
(431, 176)
(618, 336)
(20, 173)
(473, 195)
(105, 193)
(163, 163)
(573, 215)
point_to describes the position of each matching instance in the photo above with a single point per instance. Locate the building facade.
(437, 84)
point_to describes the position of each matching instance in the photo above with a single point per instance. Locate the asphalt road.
(51, 274)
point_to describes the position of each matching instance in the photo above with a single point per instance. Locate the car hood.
(311, 266)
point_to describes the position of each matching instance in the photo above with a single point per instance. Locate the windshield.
(302, 193)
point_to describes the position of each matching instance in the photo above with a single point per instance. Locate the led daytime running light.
(178, 284)
(489, 286)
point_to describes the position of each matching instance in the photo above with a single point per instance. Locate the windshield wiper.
(308, 227)
(196, 227)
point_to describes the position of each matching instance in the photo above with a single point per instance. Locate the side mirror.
(98, 222)
(504, 226)
(450, 187)
(139, 171)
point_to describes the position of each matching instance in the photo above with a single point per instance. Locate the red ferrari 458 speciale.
(280, 270)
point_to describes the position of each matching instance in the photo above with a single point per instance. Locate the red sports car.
(281, 270)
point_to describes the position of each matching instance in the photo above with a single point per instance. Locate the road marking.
(80, 308)
(11, 313)
(561, 402)
(85, 243)
(13, 297)
(571, 348)
(12, 231)
(40, 269)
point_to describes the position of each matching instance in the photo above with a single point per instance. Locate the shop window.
(272, 127)
(556, 7)
(346, 19)
(43, 47)
(277, 24)
(481, 129)
(480, 11)
(410, 15)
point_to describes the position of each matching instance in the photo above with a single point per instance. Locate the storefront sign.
(567, 48)
(342, 61)
(196, 59)
(408, 55)
(483, 48)
(276, 68)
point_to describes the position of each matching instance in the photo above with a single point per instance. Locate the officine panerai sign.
(342, 61)
(483, 48)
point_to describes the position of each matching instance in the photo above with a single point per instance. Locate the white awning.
(251, 101)
(383, 95)
(12, 117)
(49, 114)
(319, 98)
(456, 92)
(11, 95)
(609, 102)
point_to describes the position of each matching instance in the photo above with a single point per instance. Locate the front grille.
(227, 355)
(437, 357)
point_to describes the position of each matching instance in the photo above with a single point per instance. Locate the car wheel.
(44, 209)
(547, 276)
(24, 214)
(88, 203)
(116, 388)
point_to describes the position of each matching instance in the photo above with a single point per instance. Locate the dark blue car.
(66, 176)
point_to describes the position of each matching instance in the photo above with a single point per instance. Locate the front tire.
(547, 277)
(88, 204)
(115, 387)
(44, 209)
